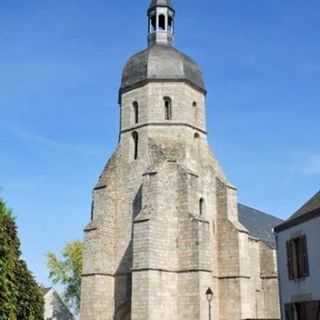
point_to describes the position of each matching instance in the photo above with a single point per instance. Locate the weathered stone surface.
(165, 225)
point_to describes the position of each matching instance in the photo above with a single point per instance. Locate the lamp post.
(209, 295)
(257, 301)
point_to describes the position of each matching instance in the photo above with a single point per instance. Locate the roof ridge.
(311, 205)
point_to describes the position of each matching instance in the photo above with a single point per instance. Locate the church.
(167, 238)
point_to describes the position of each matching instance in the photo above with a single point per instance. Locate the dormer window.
(135, 106)
(168, 108)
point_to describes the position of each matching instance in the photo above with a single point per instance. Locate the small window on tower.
(153, 23)
(135, 139)
(170, 20)
(168, 108)
(92, 210)
(201, 207)
(136, 112)
(194, 104)
(162, 22)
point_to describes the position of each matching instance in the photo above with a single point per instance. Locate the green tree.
(20, 296)
(67, 272)
(9, 257)
(30, 295)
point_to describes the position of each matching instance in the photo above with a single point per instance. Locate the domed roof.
(160, 3)
(161, 63)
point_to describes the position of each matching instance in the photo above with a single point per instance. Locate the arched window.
(167, 108)
(170, 24)
(153, 23)
(201, 207)
(196, 136)
(135, 139)
(136, 111)
(162, 22)
(194, 104)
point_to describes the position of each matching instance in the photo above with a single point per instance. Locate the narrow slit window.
(92, 210)
(136, 112)
(168, 108)
(162, 22)
(201, 207)
(135, 139)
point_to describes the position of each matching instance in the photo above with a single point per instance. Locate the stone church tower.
(165, 220)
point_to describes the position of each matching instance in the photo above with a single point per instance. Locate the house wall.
(54, 308)
(302, 289)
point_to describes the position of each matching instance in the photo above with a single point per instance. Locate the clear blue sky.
(61, 63)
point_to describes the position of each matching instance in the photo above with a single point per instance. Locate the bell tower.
(164, 224)
(161, 22)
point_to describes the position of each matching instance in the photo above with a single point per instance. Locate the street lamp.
(257, 305)
(209, 295)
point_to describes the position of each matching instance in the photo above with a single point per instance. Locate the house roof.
(310, 210)
(311, 205)
(259, 224)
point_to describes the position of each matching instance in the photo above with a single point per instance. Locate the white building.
(54, 307)
(298, 241)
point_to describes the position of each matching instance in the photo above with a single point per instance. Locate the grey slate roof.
(311, 205)
(259, 224)
(309, 211)
(161, 62)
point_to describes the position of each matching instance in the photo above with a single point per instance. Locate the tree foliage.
(20, 296)
(67, 272)
(30, 295)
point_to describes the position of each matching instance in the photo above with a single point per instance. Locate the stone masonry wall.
(165, 225)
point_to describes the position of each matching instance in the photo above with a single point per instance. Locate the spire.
(161, 22)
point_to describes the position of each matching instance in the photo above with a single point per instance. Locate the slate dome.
(155, 3)
(161, 63)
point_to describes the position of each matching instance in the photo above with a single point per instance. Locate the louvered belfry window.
(297, 258)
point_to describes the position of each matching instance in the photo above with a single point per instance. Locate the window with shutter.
(290, 312)
(290, 259)
(305, 258)
(300, 257)
(301, 309)
(297, 258)
(312, 310)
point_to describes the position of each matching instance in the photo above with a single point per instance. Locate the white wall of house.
(54, 308)
(308, 288)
